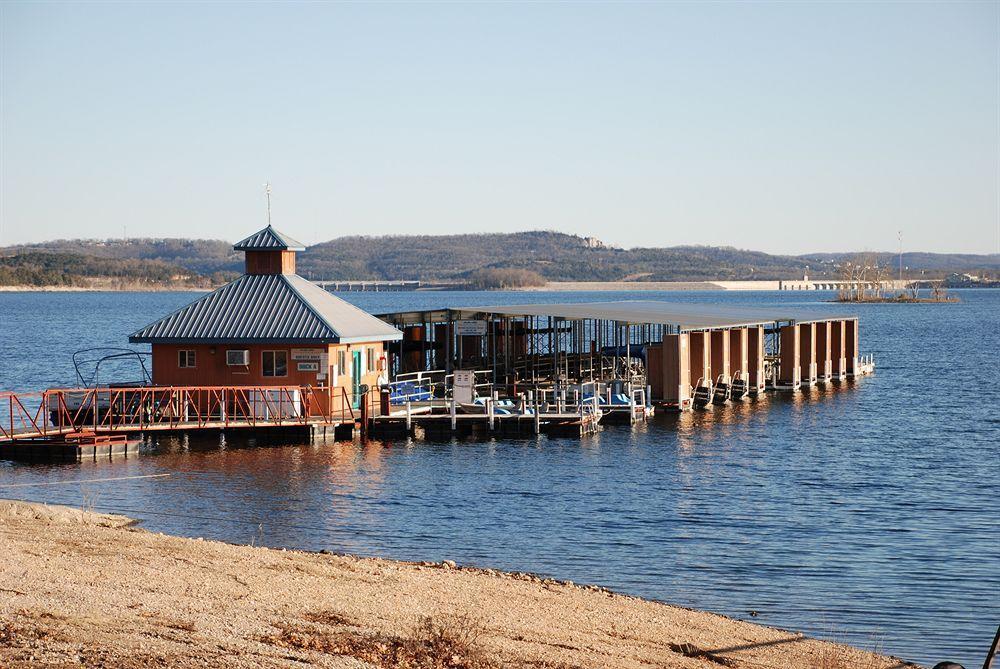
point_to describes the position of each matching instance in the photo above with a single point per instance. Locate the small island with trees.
(867, 279)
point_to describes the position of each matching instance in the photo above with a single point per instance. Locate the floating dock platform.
(683, 355)
(518, 370)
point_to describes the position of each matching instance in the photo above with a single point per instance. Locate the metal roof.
(685, 316)
(268, 239)
(267, 308)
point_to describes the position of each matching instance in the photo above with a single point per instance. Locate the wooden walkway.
(67, 412)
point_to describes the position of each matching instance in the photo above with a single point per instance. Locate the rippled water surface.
(865, 512)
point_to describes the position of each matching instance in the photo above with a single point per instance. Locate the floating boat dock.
(275, 356)
(627, 353)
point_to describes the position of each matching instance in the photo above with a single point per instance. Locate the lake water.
(866, 512)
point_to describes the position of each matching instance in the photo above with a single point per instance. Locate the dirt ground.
(87, 589)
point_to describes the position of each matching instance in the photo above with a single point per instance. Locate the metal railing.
(429, 386)
(62, 411)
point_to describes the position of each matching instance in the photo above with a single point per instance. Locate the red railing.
(138, 409)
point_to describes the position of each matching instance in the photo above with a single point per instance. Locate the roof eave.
(264, 341)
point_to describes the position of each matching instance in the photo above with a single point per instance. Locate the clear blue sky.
(783, 127)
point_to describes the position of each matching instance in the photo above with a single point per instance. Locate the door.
(356, 380)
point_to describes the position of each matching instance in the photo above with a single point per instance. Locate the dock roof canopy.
(268, 239)
(265, 309)
(682, 315)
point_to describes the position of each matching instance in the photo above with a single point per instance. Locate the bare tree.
(878, 277)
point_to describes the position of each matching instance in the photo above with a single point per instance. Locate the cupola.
(269, 252)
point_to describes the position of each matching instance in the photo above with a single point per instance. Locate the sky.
(786, 127)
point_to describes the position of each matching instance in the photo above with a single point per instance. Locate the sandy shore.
(81, 588)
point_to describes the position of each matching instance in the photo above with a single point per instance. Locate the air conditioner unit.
(236, 358)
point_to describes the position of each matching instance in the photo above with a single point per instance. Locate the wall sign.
(467, 328)
(308, 366)
(309, 354)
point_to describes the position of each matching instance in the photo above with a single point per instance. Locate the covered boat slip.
(665, 353)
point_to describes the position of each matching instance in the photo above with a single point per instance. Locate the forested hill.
(555, 256)
(561, 257)
(201, 256)
(525, 256)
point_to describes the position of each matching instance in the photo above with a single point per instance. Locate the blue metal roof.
(267, 308)
(269, 239)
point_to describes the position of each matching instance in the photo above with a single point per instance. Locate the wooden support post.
(454, 413)
(364, 414)
(631, 403)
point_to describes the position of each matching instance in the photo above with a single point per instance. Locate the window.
(185, 358)
(342, 363)
(371, 360)
(275, 363)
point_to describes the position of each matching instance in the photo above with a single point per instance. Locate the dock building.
(269, 327)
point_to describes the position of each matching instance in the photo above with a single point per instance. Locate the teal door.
(356, 380)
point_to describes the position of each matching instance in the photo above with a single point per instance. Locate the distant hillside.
(553, 255)
(472, 258)
(37, 268)
(561, 257)
(203, 256)
(935, 263)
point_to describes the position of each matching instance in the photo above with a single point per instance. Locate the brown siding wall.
(824, 365)
(838, 347)
(211, 368)
(807, 343)
(654, 371)
(788, 367)
(701, 357)
(270, 262)
(720, 354)
(851, 345)
(738, 352)
(755, 356)
(676, 378)
(413, 361)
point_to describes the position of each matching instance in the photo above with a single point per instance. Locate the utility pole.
(900, 235)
